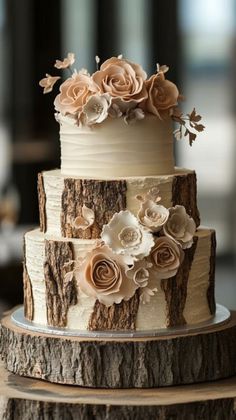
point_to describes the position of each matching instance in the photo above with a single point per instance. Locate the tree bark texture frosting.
(42, 203)
(120, 316)
(184, 192)
(60, 294)
(104, 197)
(64, 198)
(28, 295)
(114, 148)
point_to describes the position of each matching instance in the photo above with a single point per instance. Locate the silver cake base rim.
(221, 317)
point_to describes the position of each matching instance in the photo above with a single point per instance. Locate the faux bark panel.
(104, 197)
(211, 288)
(121, 363)
(60, 294)
(175, 289)
(120, 316)
(184, 192)
(28, 295)
(42, 204)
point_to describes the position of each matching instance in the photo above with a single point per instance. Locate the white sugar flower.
(126, 236)
(96, 108)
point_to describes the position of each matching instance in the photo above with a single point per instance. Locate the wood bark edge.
(24, 409)
(120, 316)
(184, 192)
(141, 363)
(28, 295)
(60, 294)
(42, 204)
(104, 197)
(211, 288)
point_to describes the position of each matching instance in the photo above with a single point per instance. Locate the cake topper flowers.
(119, 89)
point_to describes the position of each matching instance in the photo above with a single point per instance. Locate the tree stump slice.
(24, 398)
(121, 362)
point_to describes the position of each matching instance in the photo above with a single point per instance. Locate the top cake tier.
(116, 149)
(117, 121)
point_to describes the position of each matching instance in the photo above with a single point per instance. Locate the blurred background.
(197, 39)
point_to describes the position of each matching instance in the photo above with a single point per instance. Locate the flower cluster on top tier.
(134, 252)
(119, 88)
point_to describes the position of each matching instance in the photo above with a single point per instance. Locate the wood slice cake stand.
(134, 360)
(27, 399)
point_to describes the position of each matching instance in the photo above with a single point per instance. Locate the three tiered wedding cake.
(119, 245)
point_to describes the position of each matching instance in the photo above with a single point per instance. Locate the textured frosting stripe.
(197, 306)
(60, 195)
(34, 261)
(117, 149)
(53, 186)
(149, 316)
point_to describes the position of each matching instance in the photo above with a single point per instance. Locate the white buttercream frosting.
(152, 315)
(196, 306)
(115, 148)
(34, 258)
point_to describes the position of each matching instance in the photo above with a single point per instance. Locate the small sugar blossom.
(86, 219)
(48, 82)
(67, 62)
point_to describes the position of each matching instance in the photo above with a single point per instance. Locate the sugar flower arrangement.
(134, 252)
(119, 89)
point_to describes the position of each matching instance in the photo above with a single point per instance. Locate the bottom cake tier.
(187, 298)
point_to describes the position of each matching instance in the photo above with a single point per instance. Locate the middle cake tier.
(61, 199)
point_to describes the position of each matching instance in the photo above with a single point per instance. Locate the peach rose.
(162, 95)
(166, 257)
(102, 275)
(74, 93)
(123, 80)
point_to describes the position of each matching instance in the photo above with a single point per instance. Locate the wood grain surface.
(121, 362)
